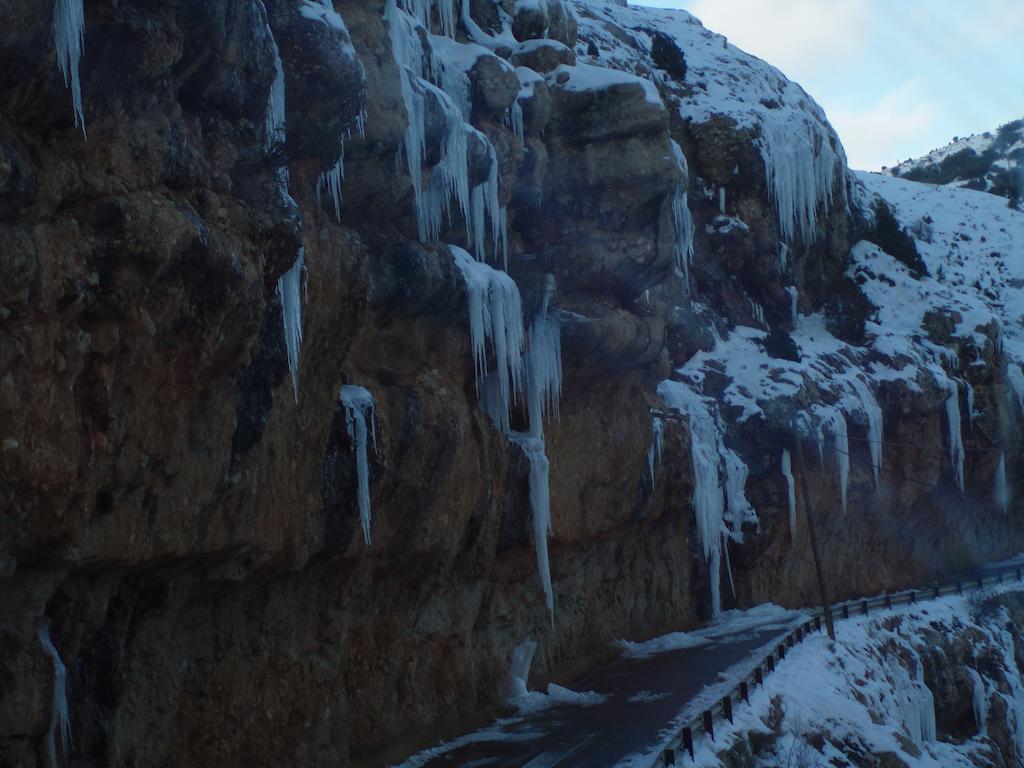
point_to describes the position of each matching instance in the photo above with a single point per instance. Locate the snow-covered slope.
(992, 162)
(930, 685)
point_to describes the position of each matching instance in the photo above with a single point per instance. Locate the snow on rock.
(868, 693)
(69, 40)
(585, 77)
(59, 721)
(323, 12)
(804, 161)
(361, 422)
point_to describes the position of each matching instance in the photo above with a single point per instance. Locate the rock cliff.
(313, 314)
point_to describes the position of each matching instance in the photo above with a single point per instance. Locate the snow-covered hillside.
(992, 162)
(931, 685)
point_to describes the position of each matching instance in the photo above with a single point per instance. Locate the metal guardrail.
(703, 725)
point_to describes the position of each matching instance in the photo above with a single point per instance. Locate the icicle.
(540, 502)
(59, 720)
(719, 480)
(682, 219)
(917, 706)
(276, 117)
(970, 405)
(979, 701)
(794, 313)
(495, 314)
(956, 441)
(69, 40)
(654, 453)
(359, 407)
(1015, 378)
(783, 256)
(721, 200)
(544, 387)
(544, 365)
(757, 311)
(1002, 488)
(421, 9)
(516, 119)
(330, 182)
(869, 405)
(289, 290)
(787, 472)
(519, 674)
(708, 498)
(836, 422)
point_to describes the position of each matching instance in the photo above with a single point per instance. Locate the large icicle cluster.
(361, 421)
(448, 63)
(719, 501)
(69, 40)
(800, 167)
(59, 720)
(495, 315)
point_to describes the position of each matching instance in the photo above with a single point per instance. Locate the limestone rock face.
(188, 524)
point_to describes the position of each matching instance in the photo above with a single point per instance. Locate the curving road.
(646, 690)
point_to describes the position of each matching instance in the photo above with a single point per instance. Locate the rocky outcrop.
(188, 526)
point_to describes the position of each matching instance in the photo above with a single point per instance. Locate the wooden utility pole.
(825, 606)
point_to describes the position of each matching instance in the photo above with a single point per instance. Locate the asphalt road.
(644, 695)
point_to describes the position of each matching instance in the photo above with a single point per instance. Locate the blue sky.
(896, 77)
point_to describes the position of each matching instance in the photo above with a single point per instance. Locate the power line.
(902, 476)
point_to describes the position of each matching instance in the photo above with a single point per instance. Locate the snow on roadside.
(734, 626)
(861, 693)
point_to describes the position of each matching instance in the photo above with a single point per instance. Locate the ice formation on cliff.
(720, 505)
(787, 472)
(1001, 491)
(69, 40)
(495, 315)
(654, 452)
(956, 441)
(448, 63)
(289, 291)
(59, 720)
(361, 422)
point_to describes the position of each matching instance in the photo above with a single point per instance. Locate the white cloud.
(793, 34)
(889, 129)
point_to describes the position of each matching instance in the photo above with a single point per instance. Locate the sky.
(897, 78)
